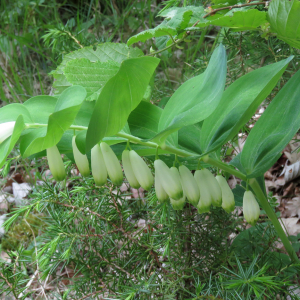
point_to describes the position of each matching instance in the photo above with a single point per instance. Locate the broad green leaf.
(176, 18)
(189, 138)
(90, 75)
(114, 52)
(196, 99)
(9, 143)
(40, 108)
(238, 104)
(284, 19)
(12, 111)
(238, 20)
(273, 130)
(66, 109)
(143, 121)
(121, 94)
(85, 113)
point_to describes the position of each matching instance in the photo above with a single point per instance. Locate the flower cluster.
(174, 185)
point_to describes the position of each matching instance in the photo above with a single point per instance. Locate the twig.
(231, 7)
(6, 280)
(91, 294)
(175, 42)
(73, 38)
(116, 266)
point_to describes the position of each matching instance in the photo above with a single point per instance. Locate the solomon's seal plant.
(200, 117)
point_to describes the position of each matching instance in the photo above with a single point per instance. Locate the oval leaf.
(66, 109)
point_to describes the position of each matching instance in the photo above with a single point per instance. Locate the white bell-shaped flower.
(6, 130)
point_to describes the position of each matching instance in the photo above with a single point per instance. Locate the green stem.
(272, 216)
(129, 137)
(224, 167)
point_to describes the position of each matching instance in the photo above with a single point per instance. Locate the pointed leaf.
(238, 104)
(196, 99)
(121, 94)
(273, 130)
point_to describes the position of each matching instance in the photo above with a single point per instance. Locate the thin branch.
(231, 7)
(6, 280)
(91, 294)
(175, 42)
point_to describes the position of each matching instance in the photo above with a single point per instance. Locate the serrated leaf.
(176, 19)
(196, 99)
(159, 31)
(66, 109)
(238, 20)
(238, 104)
(284, 19)
(90, 75)
(273, 130)
(121, 94)
(115, 52)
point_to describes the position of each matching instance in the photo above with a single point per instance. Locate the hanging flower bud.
(205, 196)
(6, 130)
(141, 171)
(214, 188)
(161, 194)
(228, 203)
(113, 167)
(168, 181)
(81, 160)
(251, 208)
(99, 170)
(177, 204)
(189, 185)
(56, 164)
(128, 170)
